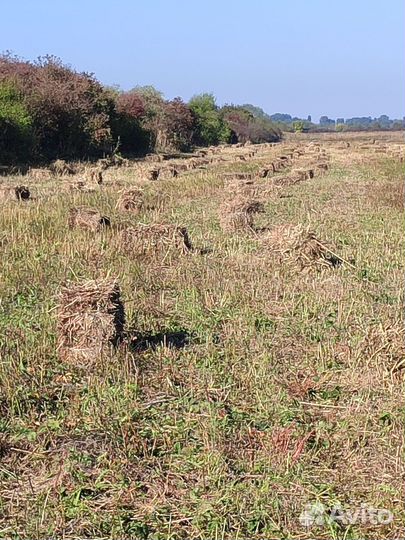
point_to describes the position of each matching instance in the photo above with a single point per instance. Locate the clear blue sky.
(335, 57)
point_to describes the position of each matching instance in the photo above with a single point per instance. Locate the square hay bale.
(168, 172)
(87, 218)
(90, 321)
(131, 200)
(303, 174)
(237, 214)
(81, 186)
(299, 245)
(61, 168)
(40, 174)
(19, 193)
(155, 239)
(94, 175)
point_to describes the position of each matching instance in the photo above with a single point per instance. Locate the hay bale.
(303, 174)
(90, 321)
(86, 218)
(61, 168)
(321, 167)
(298, 244)
(237, 214)
(264, 172)
(95, 175)
(131, 201)
(21, 193)
(81, 186)
(155, 239)
(237, 176)
(153, 158)
(40, 174)
(168, 172)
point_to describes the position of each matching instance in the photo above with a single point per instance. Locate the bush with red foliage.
(175, 129)
(71, 111)
(246, 127)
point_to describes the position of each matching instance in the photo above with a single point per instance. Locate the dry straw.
(90, 321)
(237, 214)
(61, 168)
(131, 200)
(21, 193)
(86, 218)
(155, 239)
(298, 244)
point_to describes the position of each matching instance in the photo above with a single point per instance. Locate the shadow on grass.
(139, 342)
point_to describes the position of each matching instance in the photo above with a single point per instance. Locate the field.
(254, 377)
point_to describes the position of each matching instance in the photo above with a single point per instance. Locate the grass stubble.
(245, 386)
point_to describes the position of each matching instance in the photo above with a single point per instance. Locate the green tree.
(210, 126)
(16, 133)
(298, 126)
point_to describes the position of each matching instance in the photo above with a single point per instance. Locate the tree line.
(49, 110)
(286, 122)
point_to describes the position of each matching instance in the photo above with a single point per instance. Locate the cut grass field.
(246, 388)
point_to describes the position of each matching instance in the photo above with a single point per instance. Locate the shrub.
(16, 136)
(70, 111)
(210, 128)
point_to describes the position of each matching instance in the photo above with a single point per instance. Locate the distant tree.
(325, 121)
(309, 118)
(298, 126)
(247, 127)
(176, 126)
(210, 128)
(281, 117)
(340, 121)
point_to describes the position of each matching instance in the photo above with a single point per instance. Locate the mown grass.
(260, 388)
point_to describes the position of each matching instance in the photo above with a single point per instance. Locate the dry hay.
(237, 176)
(95, 175)
(81, 186)
(287, 180)
(112, 161)
(86, 218)
(131, 201)
(21, 193)
(168, 172)
(90, 321)
(280, 164)
(153, 158)
(157, 238)
(237, 214)
(40, 174)
(298, 244)
(61, 168)
(321, 167)
(303, 174)
(266, 171)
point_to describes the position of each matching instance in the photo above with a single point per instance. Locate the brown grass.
(390, 194)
